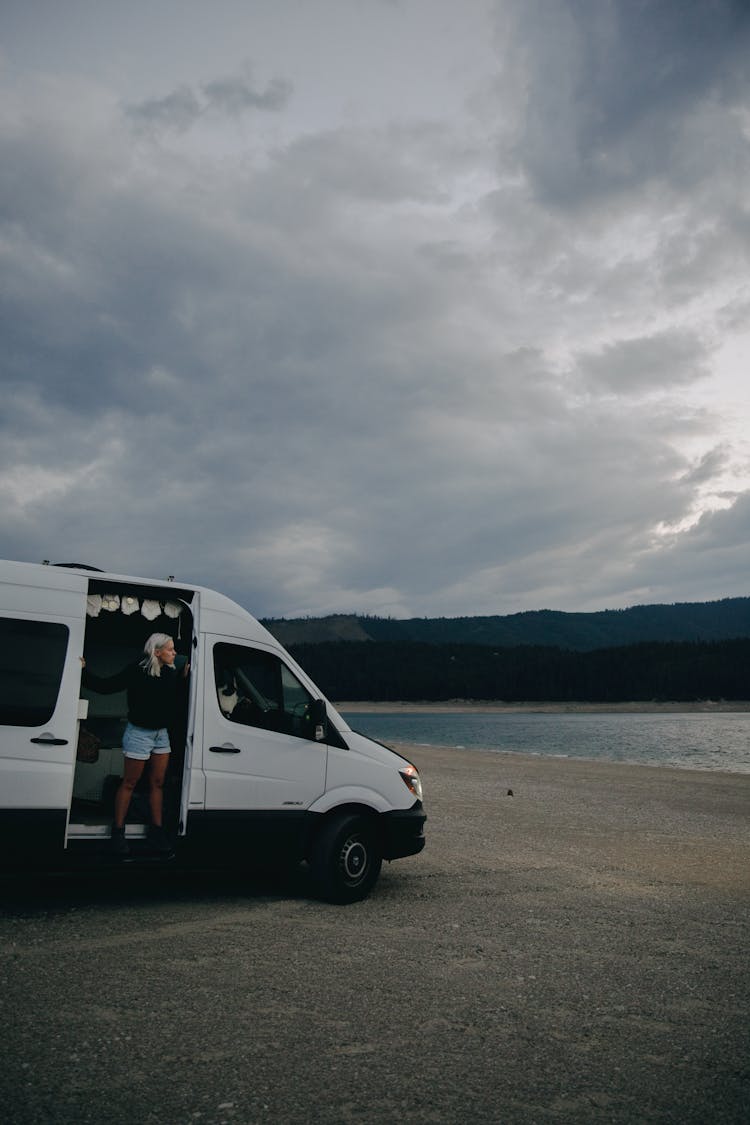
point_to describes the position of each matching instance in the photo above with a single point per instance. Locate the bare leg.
(124, 795)
(157, 771)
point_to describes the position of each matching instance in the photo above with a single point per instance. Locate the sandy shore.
(608, 822)
(571, 947)
(460, 706)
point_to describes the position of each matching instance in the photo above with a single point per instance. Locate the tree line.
(387, 671)
(683, 621)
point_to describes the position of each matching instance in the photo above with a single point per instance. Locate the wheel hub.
(354, 859)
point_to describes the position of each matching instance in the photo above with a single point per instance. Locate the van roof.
(71, 576)
(219, 614)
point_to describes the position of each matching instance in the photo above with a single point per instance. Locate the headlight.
(412, 781)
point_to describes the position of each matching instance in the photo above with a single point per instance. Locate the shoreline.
(465, 706)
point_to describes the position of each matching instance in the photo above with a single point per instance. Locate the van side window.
(32, 656)
(257, 689)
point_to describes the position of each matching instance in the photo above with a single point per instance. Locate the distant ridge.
(721, 620)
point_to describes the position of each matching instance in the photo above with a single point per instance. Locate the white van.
(282, 779)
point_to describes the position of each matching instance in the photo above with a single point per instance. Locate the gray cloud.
(235, 95)
(618, 89)
(352, 368)
(178, 110)
(232, 95)
(708, 466)
(650, 363)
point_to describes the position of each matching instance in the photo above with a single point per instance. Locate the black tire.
(346, 859)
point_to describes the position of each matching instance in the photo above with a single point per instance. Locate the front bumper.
(403, 831)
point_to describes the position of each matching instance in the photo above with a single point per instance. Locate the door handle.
(227, 748)
(48, 739)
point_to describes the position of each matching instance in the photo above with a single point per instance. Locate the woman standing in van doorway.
(153, 686)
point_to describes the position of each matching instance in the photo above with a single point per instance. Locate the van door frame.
(163, 593)
(194, 725)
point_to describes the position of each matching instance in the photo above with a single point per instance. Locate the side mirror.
(319, 718)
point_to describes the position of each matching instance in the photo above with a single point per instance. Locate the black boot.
(119, 843)
(158, 840)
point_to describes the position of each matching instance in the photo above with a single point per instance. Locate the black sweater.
(153, 701)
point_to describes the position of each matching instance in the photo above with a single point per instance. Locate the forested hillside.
(391, 671)
(583, 632)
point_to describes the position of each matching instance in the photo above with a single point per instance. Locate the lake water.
(689, 741)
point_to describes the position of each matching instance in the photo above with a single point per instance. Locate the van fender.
(350, 795)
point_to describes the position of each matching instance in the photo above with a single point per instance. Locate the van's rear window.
(32, 656)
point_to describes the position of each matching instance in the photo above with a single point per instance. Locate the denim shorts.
(137, 742)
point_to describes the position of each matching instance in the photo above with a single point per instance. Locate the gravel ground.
(574, 952)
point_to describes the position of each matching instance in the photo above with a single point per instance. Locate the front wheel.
(346, 859)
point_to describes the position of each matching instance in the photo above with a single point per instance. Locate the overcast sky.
(403, 307)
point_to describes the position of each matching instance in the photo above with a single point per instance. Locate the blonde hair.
(150, 662)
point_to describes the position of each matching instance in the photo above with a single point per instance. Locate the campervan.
(262, 767)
